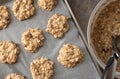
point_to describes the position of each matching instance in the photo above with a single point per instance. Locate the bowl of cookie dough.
(104, 23)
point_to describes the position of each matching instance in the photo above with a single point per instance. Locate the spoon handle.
(110, 69)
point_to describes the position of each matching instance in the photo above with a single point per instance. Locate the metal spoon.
(110, 69)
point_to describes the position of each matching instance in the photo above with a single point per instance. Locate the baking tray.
(51, 46)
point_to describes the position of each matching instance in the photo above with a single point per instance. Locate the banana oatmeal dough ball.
(47, 4)
(8, 52)
(4, 17)
(32, 39)
(23, 9)
(70, 55)
(58, 25)
(14, 76)
(42, 68)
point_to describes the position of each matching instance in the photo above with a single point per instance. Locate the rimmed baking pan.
(50, 48)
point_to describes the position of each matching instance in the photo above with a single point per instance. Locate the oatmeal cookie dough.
(23, 9)
(32, 39)
(106, 26)
(42, 68)
(14, 76)
(8, 52)
(47, 4)
(58, 25)
(4, 17)
(70, 55)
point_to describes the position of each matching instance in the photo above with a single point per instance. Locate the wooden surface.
(82, 10)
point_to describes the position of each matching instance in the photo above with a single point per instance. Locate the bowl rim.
(95, 11)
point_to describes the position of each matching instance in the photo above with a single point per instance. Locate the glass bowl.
(99, 7)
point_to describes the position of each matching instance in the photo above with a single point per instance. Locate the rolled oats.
(58, 25)
(32, 39)
(14, 76)
(70, 55)
(42, 68)
(4, 17)
(47, 4)
(8, 52)
(23, 9)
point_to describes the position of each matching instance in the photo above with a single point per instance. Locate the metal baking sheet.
(50, 48)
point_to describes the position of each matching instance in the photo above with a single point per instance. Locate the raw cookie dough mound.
(4, 17)
(58, 25)
(8, 52)
(23, 9)
(32, 39)
(70, 55)
(14, 76)
(42, 68)
(47, 4)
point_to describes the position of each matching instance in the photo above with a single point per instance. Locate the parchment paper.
(50, 48)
